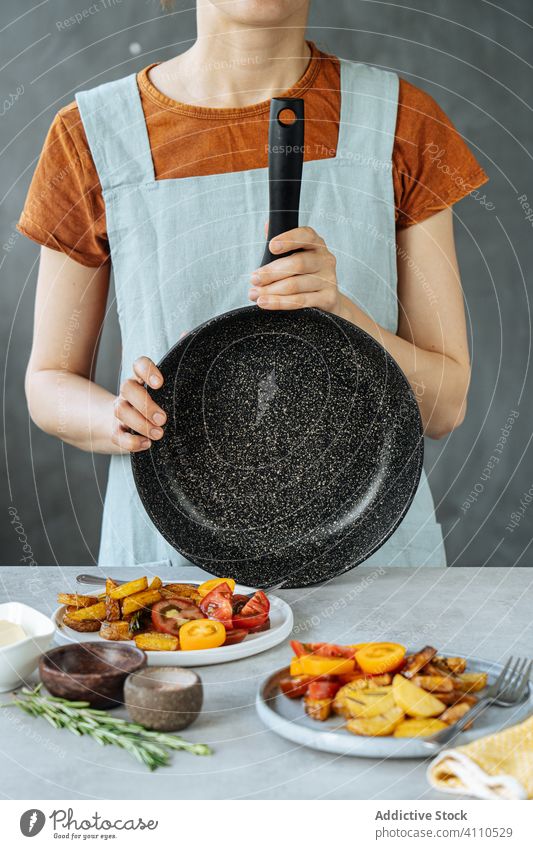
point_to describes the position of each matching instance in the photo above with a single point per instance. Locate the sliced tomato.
(298, 648)
(217, 605)
(330, 650)
(235, 635)
(169, 614)
(294, 688)
(264, 627)
(238, 601)
(254, 613)
(323, 689)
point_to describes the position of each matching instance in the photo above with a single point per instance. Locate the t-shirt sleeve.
(433, 166)
(64, 208)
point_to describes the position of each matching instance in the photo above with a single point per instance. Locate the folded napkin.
(499, 766)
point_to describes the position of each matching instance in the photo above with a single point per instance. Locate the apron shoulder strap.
(369, 105)
(114, 123)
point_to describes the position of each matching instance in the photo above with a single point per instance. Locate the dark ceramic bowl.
(165, 698)
(90, 672)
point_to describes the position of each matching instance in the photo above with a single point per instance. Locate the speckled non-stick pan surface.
(293, 447)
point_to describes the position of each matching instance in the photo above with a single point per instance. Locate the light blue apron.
(182, 251)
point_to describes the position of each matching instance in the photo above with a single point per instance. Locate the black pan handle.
(285, 161)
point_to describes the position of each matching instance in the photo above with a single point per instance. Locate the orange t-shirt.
(65, 210)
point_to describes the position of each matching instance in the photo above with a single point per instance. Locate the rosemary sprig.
(149, 747)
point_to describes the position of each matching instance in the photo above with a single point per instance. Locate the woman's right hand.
(136, 411)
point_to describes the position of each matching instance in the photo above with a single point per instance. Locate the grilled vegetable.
(95, 611)
(414, 700)
(217, 605)
(311, 664)
(319, 709)
(169, 614)
(139, 600)
(375, 658)
(415, 662)
(75, 600)
(452, 714)
(154, 641)
(115, 630)
(202, 634)
(434, 683)
(205, 588)
(419, 727)
(455, 665)
(183, 591)
(112, 605)
(84, 626)
(132, 587)
(471, 682)
(294, 688)
(376, 726)
(368, 703)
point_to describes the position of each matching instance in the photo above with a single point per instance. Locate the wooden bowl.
(90, 672)
(165, 698)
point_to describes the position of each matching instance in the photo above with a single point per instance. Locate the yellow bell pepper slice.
(205, 588)
(202, 634)
(376, 658)
(296, 667)
(312, 664)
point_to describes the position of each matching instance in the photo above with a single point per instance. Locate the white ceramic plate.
(281, 621)
(287, 718)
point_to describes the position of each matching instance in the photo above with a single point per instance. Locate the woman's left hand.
(304, 279)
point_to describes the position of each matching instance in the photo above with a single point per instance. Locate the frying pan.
(293, 446)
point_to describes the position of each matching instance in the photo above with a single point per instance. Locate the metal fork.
(510, 688)
(95, 580)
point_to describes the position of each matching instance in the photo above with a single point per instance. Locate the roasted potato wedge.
(154, 641)
(318, 708)
(132, 587)
(139, 600)
(183, 590)
(368, 703)
(419, 727)
(358, 685)
(415, 662)
(112, 605)
(455, 665)
(413, 700)
(115, 630)
(75, 600)
(434, 683)
(156, 584)
(452, 714)
(84, 626)
(472, 682)
(96, 611)
(376, 726)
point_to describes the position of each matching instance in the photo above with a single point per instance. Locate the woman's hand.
(136, 411)
(304, 279)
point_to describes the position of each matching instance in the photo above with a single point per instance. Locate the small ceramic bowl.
(18, 660)
(90, 672)
(165, 698)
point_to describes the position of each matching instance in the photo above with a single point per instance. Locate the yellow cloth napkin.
(499, 766)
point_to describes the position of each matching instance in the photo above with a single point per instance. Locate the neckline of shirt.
(297, 90)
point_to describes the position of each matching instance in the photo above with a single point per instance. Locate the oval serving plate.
(281, 621)
(287, 718)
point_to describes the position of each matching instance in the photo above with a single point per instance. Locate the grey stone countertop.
(483, 612)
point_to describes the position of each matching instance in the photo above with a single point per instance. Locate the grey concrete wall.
(472, 57)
